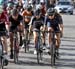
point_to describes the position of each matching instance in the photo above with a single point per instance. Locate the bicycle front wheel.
(53, 55)
(1, 63)
(15, 52)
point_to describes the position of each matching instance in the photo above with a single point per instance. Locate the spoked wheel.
(53, 55)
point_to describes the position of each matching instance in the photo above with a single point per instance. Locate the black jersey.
(15, 23)
(37, 23)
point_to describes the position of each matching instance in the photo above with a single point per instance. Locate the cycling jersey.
(15, 23)
(27, 16)
(37, 23)
(43, 11)
(54, 23)
(3, 19)
(19, 6)
(59, 18)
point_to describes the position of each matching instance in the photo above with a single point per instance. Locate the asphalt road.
(67, 51)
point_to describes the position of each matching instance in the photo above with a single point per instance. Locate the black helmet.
(10, 5)
(29, 7)
(51, 11)
(37, 12)
(14, 12)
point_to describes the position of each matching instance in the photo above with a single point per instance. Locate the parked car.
(64, 7)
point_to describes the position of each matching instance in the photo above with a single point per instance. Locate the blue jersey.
(54, 23)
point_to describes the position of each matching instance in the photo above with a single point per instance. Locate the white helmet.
(30, 2)
(38, 6)
(42, 1)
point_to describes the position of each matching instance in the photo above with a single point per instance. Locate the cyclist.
(19, 6)
(27, 14)
(15, 22)
(36, 23)
(43, 12)
(43, 7)
(3, 29)
(53, 22)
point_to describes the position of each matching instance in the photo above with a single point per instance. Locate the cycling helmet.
(42, 2)
(1, 8)
(29, 8)
(10, 5)
(51, 11)
(38, 6)
(14, 12)
(37, 12)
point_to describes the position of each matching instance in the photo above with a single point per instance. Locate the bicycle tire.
(15, 58)
(38, 52)
(15, 52)
(2, 63)
(27, 40)
(52, 55)
(41, 56)
(24, 45)
(1, 57)
(38, 57)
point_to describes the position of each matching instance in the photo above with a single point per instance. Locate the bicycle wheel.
(41, 55)
(38, 56)
(38, 52)
(1, 63)
(24, 45)
(15, 51)
(1, 56)
(41, 49)
(26, 42)
(53, 55)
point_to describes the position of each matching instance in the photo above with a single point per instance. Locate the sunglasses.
(51, 14)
